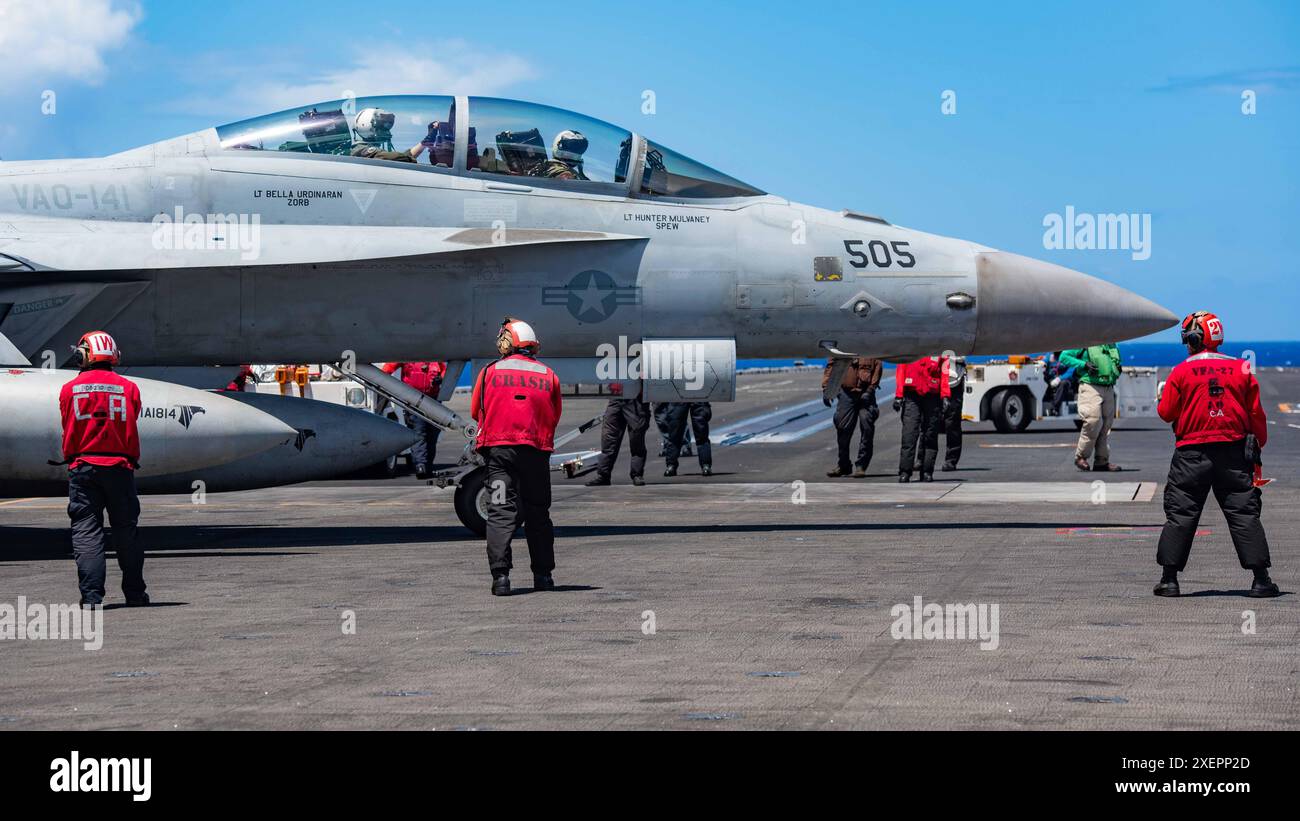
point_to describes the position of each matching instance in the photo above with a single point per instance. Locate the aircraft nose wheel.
(471, 501)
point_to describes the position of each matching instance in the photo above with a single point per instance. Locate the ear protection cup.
(1202, 330)
(1193, 334)
(504, 343)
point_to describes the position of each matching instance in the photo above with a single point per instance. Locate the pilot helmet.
(569, 146)
(375, 124)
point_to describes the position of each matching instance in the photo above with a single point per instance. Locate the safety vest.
(99, 410)
(516, 401)
(1212, 397)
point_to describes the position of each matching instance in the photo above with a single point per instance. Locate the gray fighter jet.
(405, 227)
(282, 238)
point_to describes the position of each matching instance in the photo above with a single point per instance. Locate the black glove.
(898, 404)
(826, 400)
(1119, 369)
(431, 137)
(1091, 369)
(1254, 455)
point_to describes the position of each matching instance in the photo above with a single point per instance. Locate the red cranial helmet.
(98, 346)
(517, 335)
(1202, 330)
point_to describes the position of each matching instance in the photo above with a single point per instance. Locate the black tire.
(471, 501)
(1010, 411)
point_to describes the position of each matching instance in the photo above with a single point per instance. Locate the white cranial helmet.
(375, 124)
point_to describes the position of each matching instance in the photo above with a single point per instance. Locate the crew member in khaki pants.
(1100, 368)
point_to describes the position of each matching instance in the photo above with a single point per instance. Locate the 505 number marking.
(878, 254)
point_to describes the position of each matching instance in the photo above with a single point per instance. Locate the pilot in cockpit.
(374, 130)
(566, 157)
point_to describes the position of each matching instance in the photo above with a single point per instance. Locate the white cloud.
(447, 67)
(62, 38)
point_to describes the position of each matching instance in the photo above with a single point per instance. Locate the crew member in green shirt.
(1098, 368)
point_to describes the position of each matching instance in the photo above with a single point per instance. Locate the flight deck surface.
(770, 587)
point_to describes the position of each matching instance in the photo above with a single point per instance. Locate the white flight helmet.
(569, 145)
(375, 124)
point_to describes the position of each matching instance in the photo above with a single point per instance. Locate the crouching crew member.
(855, 407)
(516, 402)
(676, 416)
(101, 447)
(1213, 402)
(920, 389)
(425, 377)
(241, 379)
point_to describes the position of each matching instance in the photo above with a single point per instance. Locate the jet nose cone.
(1026, 305)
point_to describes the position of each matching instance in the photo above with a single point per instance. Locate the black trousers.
(676, 416)
(952, 429)
(426, 447)
(855, 411)
(921, 419)
(661, 422)
(519, 488)
(633, 416)
(1054, 399)
(92, 491)
(1196, 470)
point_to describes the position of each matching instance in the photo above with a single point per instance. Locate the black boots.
(500, 584)
(638, 481)
(904, 478)
(1168, 585)
(599, 481)
(1263, 587)
(670, 471)
(706, 470)
(927, 477)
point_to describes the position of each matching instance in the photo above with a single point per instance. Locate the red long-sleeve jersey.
(925, 376)
(1212, 397)
(425, 377)
(99, 410)
(516, 401)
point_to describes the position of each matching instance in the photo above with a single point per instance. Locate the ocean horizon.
(1268, 354)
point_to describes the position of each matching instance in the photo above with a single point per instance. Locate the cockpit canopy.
(503, 138)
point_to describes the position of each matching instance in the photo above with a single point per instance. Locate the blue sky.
(1106, 106)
